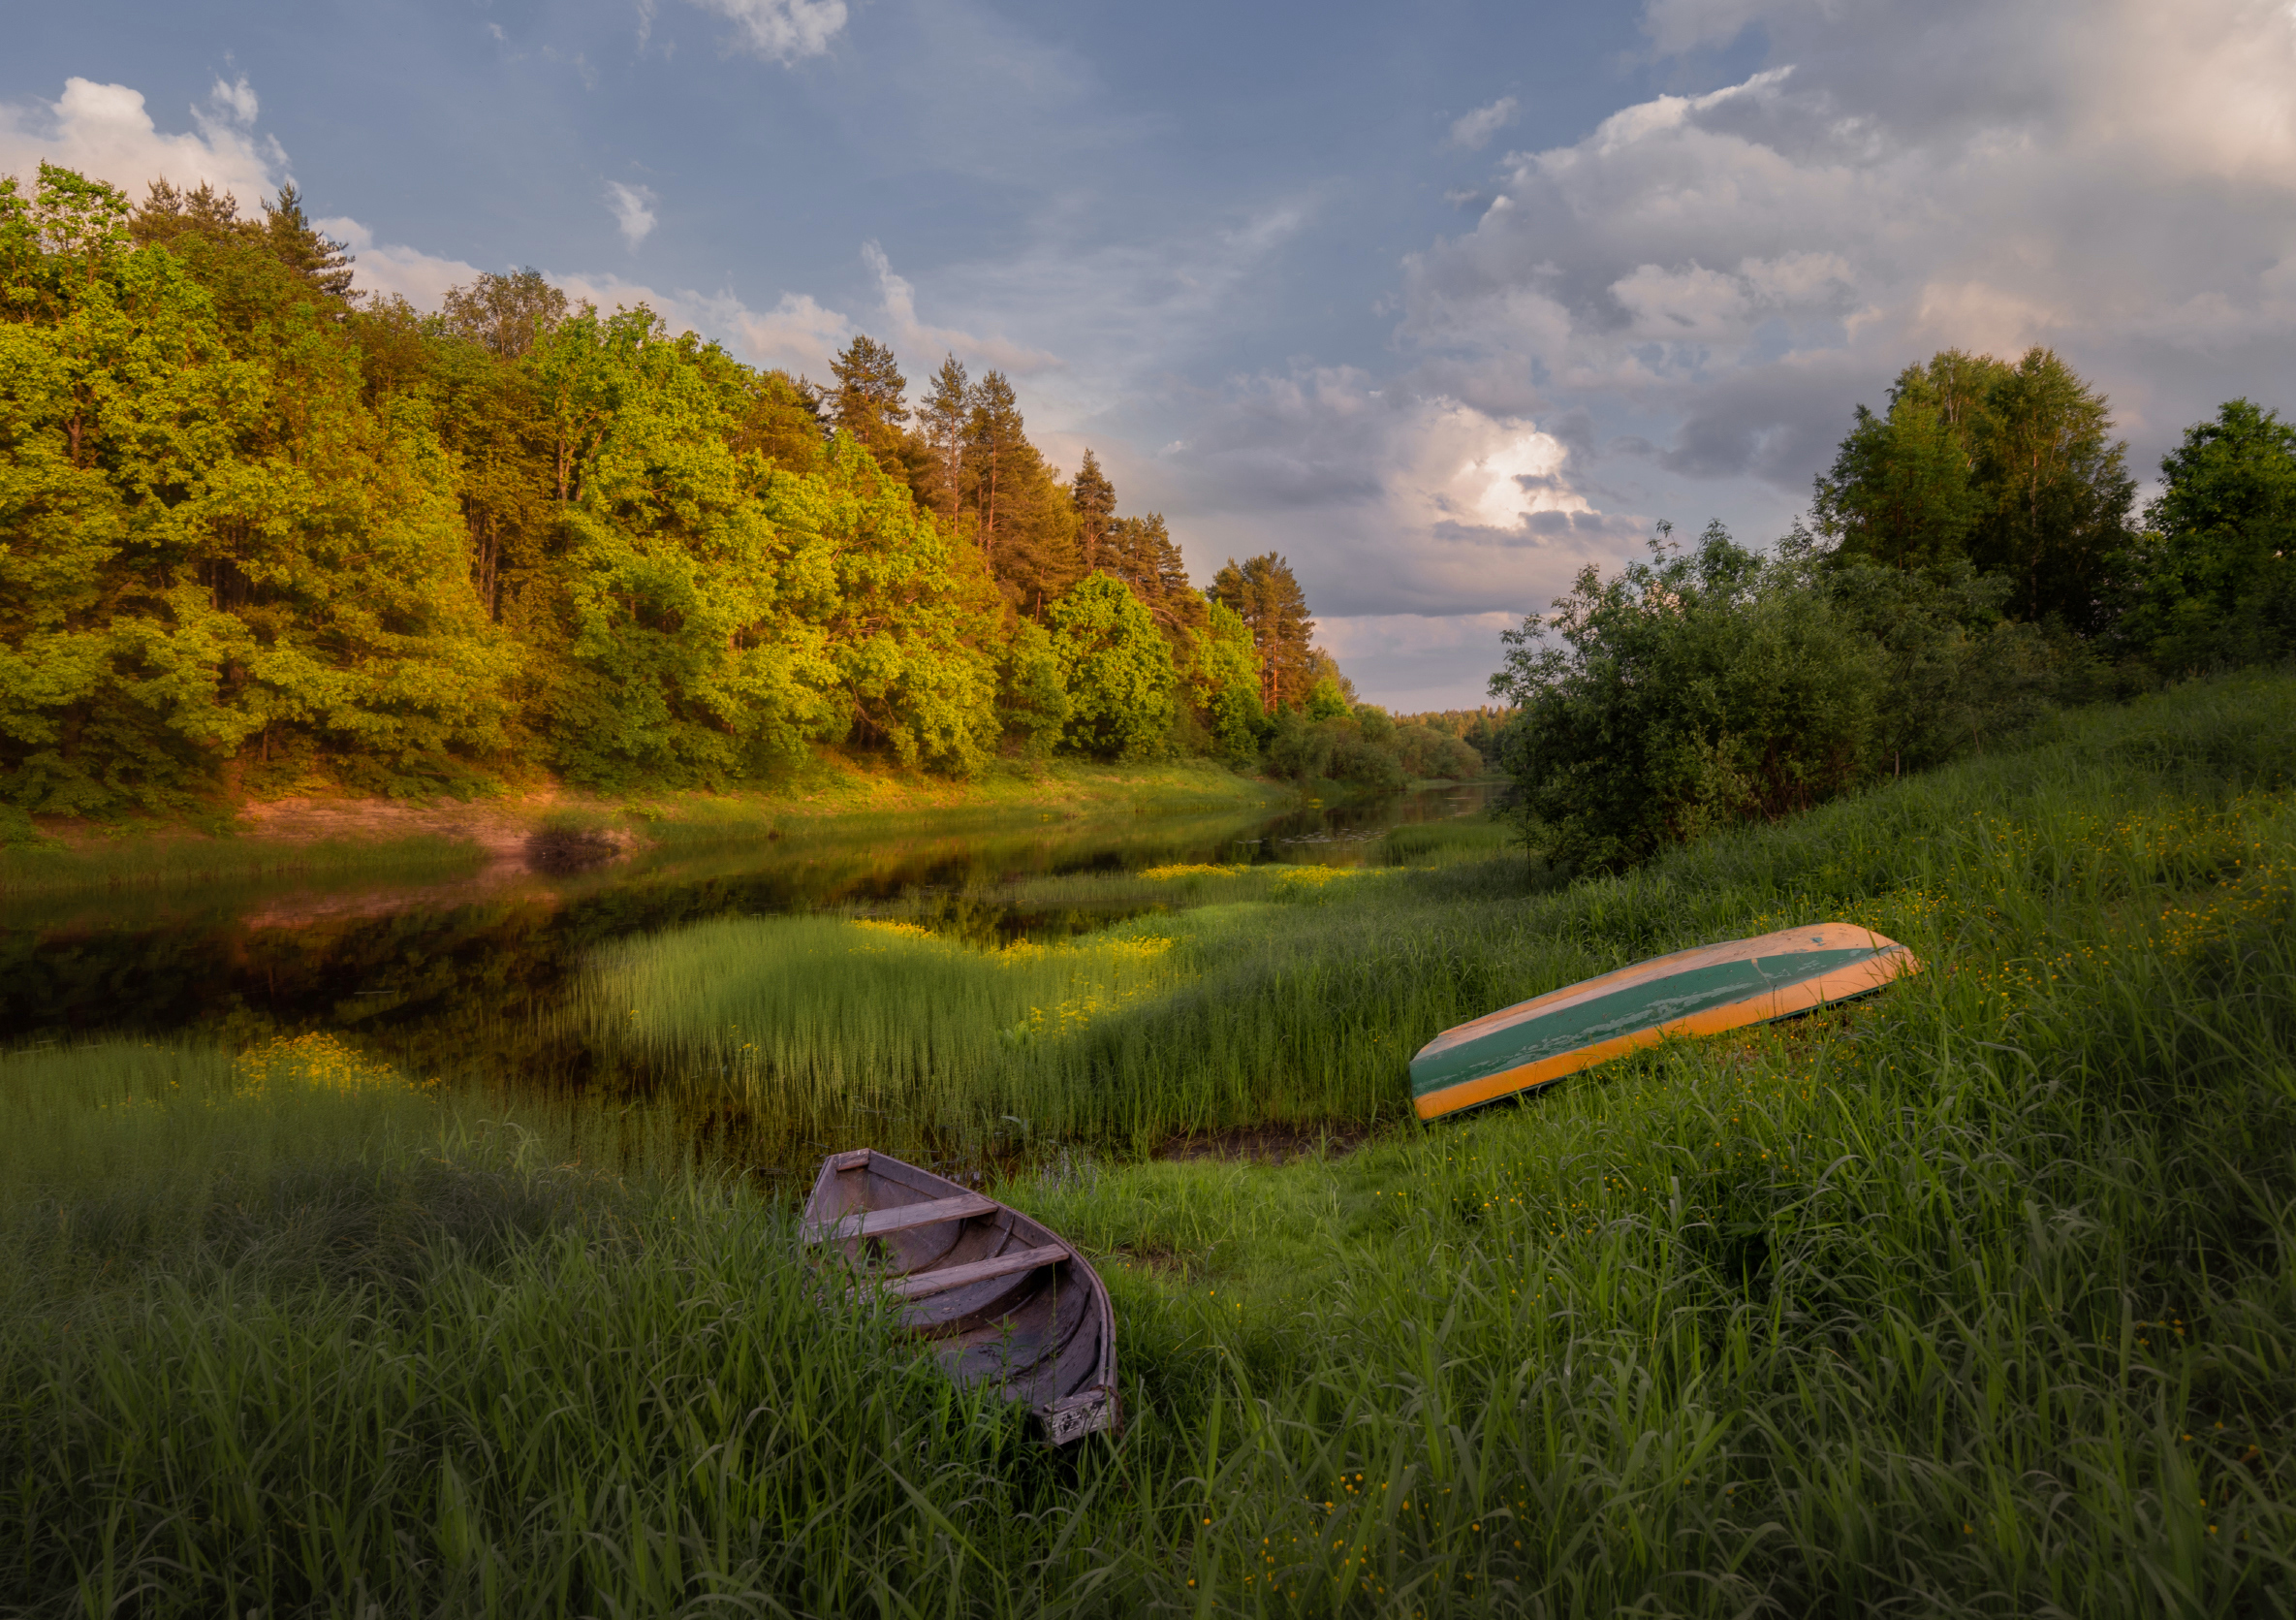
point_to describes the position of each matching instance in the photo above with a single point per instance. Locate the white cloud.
(1474, 132)
(632, 208)
(234, 102)
(1388, 502)
(798, 334)
(782, 30)
(899, 299)
(1673, 315)
(106, 131)
(1740, 267)
(420, 278)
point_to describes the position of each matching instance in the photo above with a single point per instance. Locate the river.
(460, 978)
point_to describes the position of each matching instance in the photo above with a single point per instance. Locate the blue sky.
(1443, 300)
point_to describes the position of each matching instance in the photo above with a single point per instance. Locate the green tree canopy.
(2215, 573)
(1689, 691)
(1115, 668)
(2009, 468)
(1224, 680)
(725, 614)
(213, 542)
(506, 315)
(258, 532)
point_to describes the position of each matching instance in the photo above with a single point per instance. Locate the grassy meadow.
(1975, 1298)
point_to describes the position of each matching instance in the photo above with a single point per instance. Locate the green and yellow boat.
(1699, 992)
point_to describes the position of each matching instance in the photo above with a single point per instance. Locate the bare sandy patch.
(498, 826)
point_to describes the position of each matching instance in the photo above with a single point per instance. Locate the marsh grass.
(1973, 1299)
(798, 1032)
(1294, 994)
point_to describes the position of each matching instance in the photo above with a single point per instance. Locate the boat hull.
(1697, 992)
(1003, 1299)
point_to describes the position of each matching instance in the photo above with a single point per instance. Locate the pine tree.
(1140, 552)
(992, 433)
(168, 212)
(868, 402)
(322, 261)
(1095, 500)
(945, 416)
(1265, 595)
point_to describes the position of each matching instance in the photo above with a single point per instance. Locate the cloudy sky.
(1442, 300)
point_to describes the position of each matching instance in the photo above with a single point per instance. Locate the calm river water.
(460, 975)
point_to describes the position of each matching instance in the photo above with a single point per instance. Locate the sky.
(1443, 299)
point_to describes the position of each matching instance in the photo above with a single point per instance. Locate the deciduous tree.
(1116, 669)
(2214, 575)
(2009, 468)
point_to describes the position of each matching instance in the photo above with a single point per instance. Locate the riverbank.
(1970, 1299)
(421, 840)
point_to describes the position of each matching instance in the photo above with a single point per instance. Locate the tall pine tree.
(946, 416)
(1095, 500)
(869, 400)
(1265, 595)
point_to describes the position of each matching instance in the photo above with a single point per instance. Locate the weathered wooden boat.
(1696, 992)
(1009, 1301)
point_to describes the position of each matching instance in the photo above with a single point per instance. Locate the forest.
(264, 531)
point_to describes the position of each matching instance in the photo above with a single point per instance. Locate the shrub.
(1694, 691)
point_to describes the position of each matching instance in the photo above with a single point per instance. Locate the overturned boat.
(1698, 991)
(1006, 1300)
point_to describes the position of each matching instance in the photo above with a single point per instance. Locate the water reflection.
(461, 976)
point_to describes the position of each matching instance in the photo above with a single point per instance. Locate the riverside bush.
(1710, 687)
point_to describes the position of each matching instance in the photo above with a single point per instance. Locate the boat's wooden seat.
(977, 1271)
(876, 1222)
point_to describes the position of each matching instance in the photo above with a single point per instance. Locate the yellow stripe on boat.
(1698, 991)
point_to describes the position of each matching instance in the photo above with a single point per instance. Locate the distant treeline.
(259, 531)
(1972, 560)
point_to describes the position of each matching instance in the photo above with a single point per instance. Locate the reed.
(1294, 996)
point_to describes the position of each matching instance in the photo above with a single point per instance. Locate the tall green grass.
(289, 1333)
(1974, 1300)
(1299, 1003)
(795, 1032)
